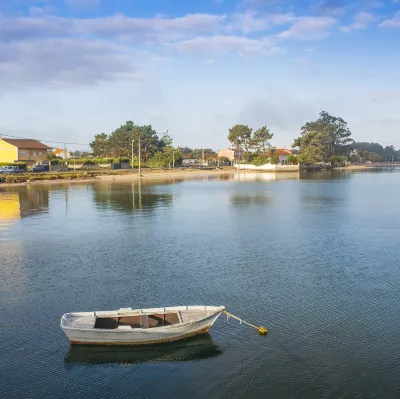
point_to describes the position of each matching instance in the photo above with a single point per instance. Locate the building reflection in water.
(265, 176)
(132, 197)
(21, 202)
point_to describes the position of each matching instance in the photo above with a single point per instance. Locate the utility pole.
(140, 174)
(132, 153)
(73, 153)
(203, 157)
(173, 157)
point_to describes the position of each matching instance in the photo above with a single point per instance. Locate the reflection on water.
(248, 200)
(326, 175)
(20, 202)
(264, 176)
(119, 197)
(196, 348)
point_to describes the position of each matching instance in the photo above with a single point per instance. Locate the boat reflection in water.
(196, 348)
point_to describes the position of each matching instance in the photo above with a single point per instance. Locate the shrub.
(157, 161)
(337, 160)
(91, 161)
(275, 160)
(292, 159)
(260, 160)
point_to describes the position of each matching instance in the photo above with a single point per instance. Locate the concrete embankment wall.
(269, 168)
(88, 167)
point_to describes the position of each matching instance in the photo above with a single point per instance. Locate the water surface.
(314, 259)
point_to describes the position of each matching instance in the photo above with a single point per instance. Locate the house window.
(40, 153)
(22, 153)
(34, 153)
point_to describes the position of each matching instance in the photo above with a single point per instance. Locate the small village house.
(227, 153)
(283, 154)
(62, 153)
(21, 150)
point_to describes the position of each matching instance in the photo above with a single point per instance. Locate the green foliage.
(224, 159)
(369, 147)
(93, 161)
(338, 160)
(274, 160)
(260, 160)
(312, 148)
(260, 140)
(240, 137)
(119, 142)
(292, 159)
(374, 157)
(156, 161)
(166, 158)
(321, 138)
(57, 161)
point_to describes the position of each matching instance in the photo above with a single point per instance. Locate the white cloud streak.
(392, 23)
(309, 28)
(362, 21)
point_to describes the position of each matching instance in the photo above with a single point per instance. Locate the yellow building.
(20, 150)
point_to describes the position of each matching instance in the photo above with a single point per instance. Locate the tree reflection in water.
(131, 197)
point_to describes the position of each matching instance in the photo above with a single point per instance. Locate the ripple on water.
(315, 262)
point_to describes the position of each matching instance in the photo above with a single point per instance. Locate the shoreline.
(127, 177)
(154, 175)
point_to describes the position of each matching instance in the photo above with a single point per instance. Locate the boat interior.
(139, 321)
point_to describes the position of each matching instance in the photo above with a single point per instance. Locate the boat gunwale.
(137, 330)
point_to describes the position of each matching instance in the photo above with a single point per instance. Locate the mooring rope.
(261, 330)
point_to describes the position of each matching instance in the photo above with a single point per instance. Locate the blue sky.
(80, 67)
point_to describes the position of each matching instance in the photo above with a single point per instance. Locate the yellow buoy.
(262, 330)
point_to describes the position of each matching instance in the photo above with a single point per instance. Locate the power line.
(44, 141)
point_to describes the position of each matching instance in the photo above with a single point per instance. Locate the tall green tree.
(100, 145)
(325, 136)
(240, 137)
(261, 139)
(312, 147)
(390, 153)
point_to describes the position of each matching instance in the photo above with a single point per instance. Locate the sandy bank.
(129, 176)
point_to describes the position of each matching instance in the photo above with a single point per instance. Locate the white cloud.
(66, 62)
(362, 20)
(156, 29)
(149, 30)
(41, 11)
(227, 44)
(308, 28)
(392, 23)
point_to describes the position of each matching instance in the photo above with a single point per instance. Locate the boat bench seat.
(137, 321)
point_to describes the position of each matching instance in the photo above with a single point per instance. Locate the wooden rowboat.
(128, 326)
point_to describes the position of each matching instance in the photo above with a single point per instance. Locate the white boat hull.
(141, 336)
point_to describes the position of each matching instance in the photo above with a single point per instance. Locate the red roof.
(283, 151)
(26, 144)
(58, 151)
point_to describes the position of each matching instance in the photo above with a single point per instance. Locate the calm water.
(316, 260)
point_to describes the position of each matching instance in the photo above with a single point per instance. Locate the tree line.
(326, 139)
